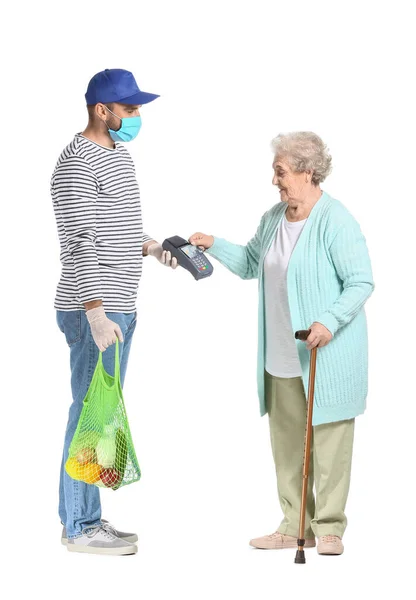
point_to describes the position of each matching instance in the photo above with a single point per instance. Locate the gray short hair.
(304, 151)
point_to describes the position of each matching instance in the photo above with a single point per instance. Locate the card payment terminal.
(189, 257)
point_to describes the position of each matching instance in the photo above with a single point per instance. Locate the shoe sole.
(285, 547)
(109, 551)
(132, 539)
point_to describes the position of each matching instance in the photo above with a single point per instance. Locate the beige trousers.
(330, 466)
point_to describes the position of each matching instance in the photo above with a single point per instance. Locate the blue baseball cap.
(116, 85)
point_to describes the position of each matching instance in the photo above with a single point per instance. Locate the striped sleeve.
(75, 194)
(146, 238)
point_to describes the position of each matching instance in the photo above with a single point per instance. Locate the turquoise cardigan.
(329, 279)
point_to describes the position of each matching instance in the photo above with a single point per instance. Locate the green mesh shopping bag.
(102, 452)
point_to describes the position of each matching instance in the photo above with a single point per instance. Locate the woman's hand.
(319, 336)
(201, 239)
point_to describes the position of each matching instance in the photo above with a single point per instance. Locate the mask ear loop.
(121, 120)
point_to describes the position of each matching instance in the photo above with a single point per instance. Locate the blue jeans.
(79, 503)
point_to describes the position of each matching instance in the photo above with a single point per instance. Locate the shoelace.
(332, 539)
(275, 535)
(90, 532)
(108, 527)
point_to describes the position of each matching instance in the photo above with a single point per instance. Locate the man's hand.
(319, 336)
(104, 331)
(163, 256)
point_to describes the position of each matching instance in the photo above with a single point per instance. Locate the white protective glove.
(104, 331)
(163, 256)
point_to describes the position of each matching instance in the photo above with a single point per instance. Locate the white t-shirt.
(282, 358)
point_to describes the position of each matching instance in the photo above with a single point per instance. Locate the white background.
(231, 75)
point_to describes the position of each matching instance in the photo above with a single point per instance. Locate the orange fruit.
(74, 469)
(91, 473)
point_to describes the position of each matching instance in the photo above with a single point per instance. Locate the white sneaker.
(128, 537)
(98, 540)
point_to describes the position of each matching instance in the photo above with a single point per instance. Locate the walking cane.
(300, 553)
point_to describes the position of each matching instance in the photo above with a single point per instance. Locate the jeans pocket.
(70, 325)
(133, 324)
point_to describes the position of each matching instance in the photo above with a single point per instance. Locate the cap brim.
(139, 98)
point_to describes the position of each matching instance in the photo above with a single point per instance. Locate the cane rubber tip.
(300, 557)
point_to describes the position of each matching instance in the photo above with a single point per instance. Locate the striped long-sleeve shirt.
(96, 200)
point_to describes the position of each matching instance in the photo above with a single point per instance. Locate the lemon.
(74, 469)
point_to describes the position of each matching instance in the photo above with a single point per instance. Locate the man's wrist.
(147, 245)
(92, 304)
(96, 314)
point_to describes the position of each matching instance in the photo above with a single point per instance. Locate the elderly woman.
(314, 272)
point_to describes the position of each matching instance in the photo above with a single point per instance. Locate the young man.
(96, 201)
